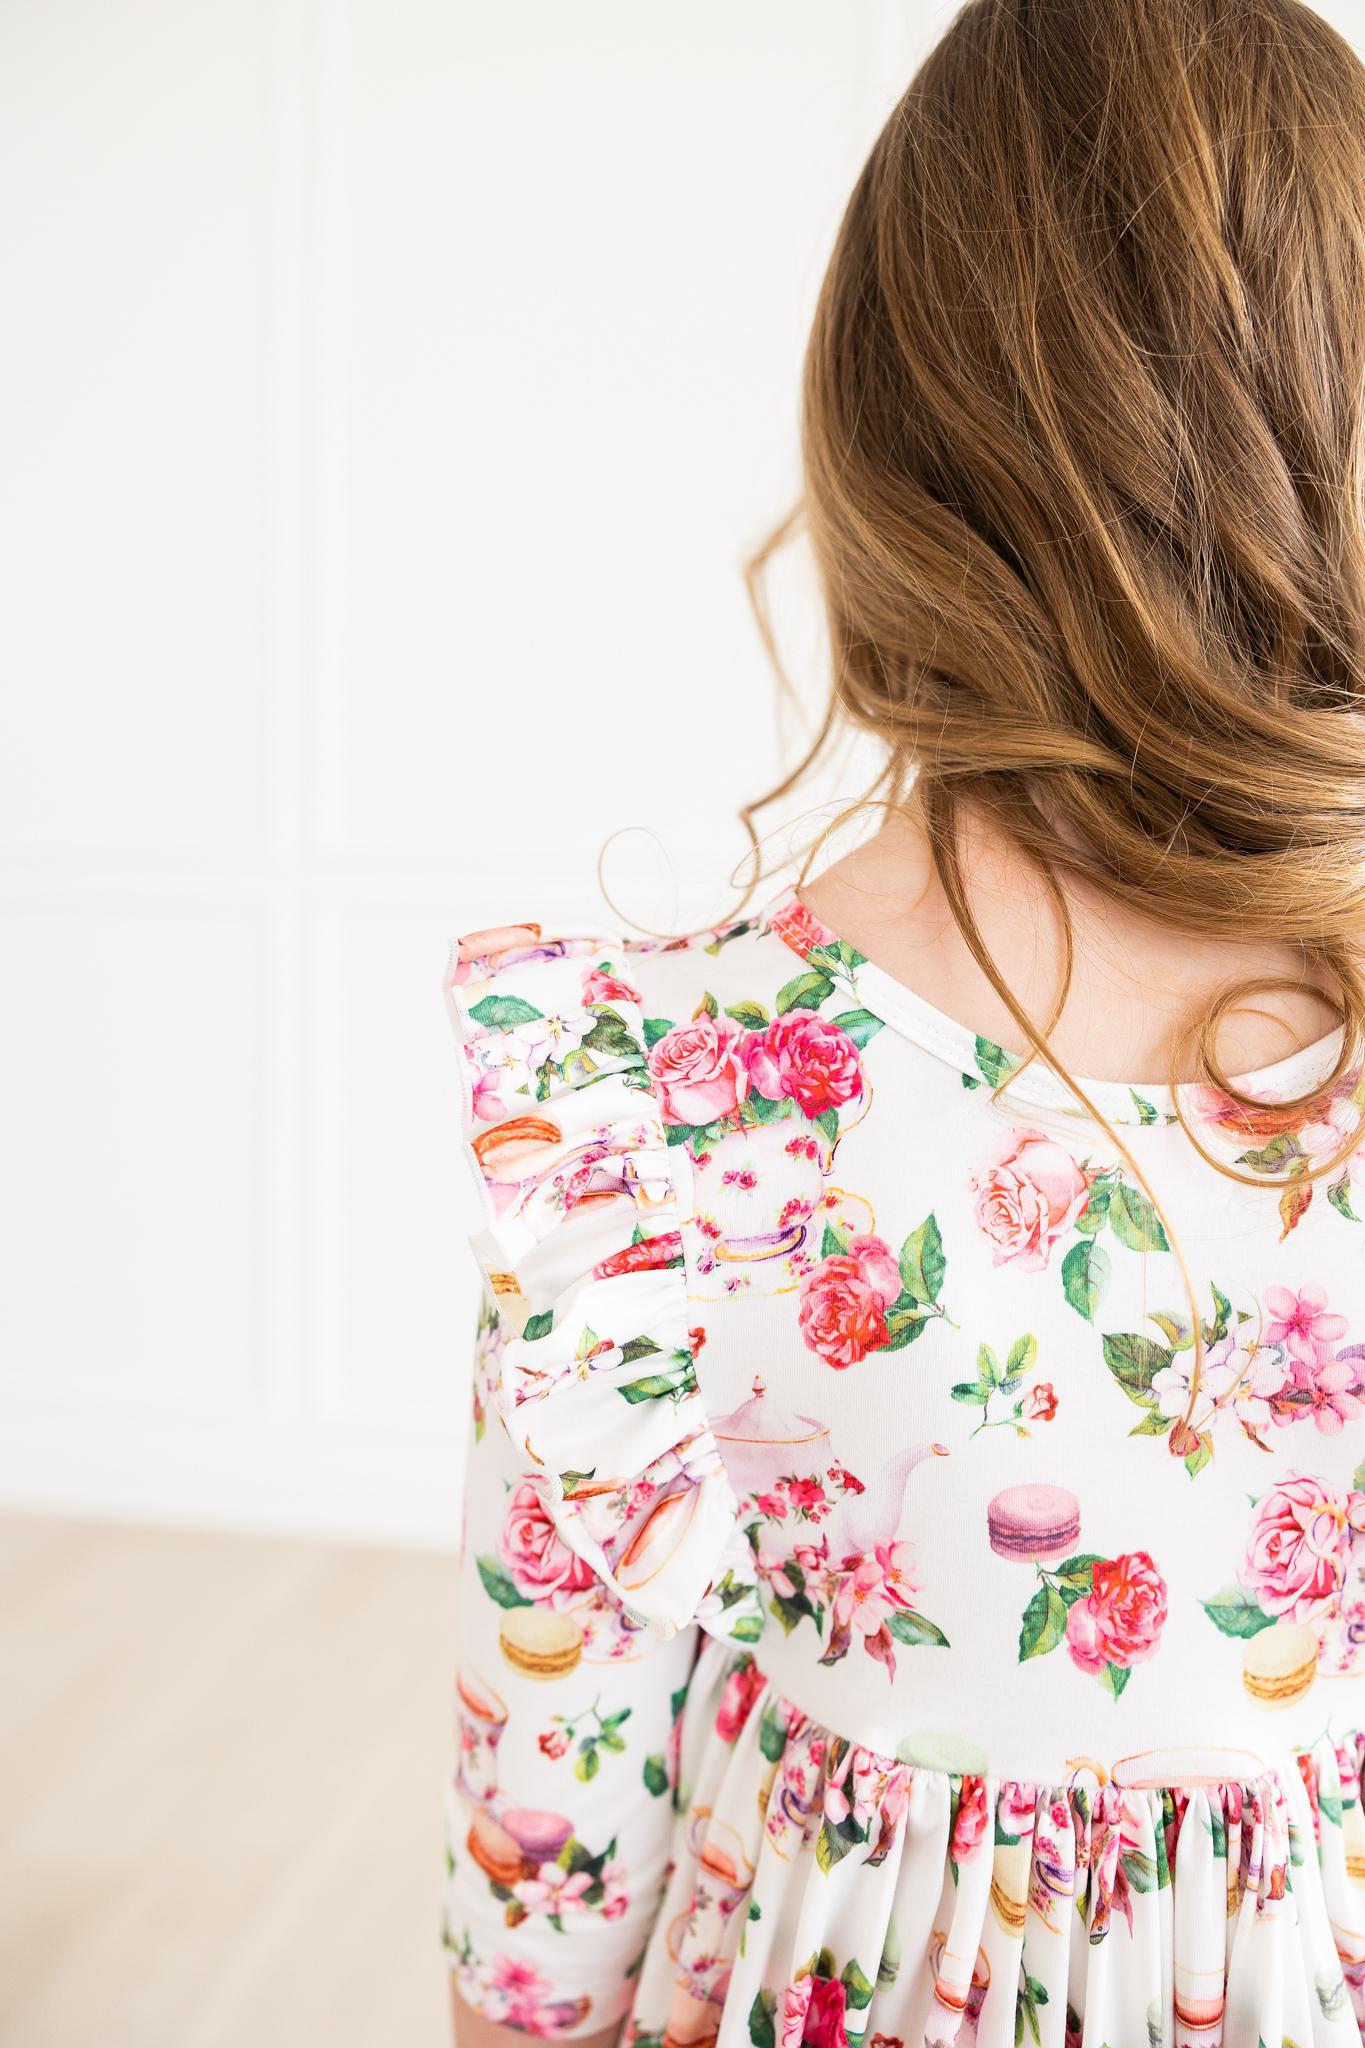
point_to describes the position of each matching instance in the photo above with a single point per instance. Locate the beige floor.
(221, 1765)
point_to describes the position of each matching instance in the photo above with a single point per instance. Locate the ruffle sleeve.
(582, 1252)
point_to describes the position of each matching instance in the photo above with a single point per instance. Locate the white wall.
(388, 393)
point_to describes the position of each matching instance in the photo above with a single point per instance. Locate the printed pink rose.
(1121, 1618)
(843, 1302)
(699, 1070)
(1028, 1197)
(795, 2006)
(742, 1688)
(807, 1058)
(541, 1566)
(1299, 1548)
(554, 1743)
(973, 1817)
(601, 987)
(813, 2014)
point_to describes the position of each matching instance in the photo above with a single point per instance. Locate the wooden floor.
(221, 1767)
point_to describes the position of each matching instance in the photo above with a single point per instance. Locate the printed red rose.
(807, 1058)
(1121, 1618)
(1040, 1402)
(699, 1070)
(824, 2026)
(540, 1565)
(843, 1302)
(554, 1743)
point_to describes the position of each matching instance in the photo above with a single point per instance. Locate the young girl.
(914, 1573)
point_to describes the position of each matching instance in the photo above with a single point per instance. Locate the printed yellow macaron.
(540, 1643)
(1279, 1664)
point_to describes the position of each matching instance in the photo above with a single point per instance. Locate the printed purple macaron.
(1034, 1521)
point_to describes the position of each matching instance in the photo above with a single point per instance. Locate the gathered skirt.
(821, 1892)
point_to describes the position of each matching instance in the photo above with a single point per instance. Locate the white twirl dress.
(867, 1632)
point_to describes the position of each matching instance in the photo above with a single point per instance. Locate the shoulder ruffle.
(583, 1255)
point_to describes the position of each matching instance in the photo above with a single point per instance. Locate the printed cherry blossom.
(1303, 1323)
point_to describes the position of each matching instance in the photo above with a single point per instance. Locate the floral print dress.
(871, 1627)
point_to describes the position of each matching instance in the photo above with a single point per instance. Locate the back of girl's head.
(1084, 453)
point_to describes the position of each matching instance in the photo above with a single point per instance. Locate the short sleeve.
(596, 1504)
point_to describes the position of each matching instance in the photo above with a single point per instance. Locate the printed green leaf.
(498, 1585)
(762, 2032)
(1114, 1677)
(859, 1024)
(1043, 1625)
(655, 1775)
(1022, 1358)
(1135, 1361)
(1195, 1460)
(708, 1004)
(1140, 1870)
(1093, 1215)
(539, 1326)
(904, 1322)
(922, 1262)
(1134, 1221)
(572, 1480)
(804, 992)
(972, 1390)
(992, 1061)
(611, 1035)
(857, 1990)
(751, 1015)
(1339, 1195)
(1146, 1110)
(828, 1122)
(765, 1109)
(772, 1735)
(1235, 1614)
(1085, 1275)
(1273, 1157)
(1075, 1575)
(1152, 1423)
(655, 1029)
(656, 1386)
(588, 1763)
(916, 1631)
(833, 1243)
(639, 1347)
(503, 1012)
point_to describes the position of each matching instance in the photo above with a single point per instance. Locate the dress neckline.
(982, 1062)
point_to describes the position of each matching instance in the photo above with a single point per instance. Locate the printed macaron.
(495, 1851)
(1280, 1663)
(540, 1836)
(540, 1643)
(1034, 1521)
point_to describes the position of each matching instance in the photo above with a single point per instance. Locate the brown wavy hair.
(1083, 441)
